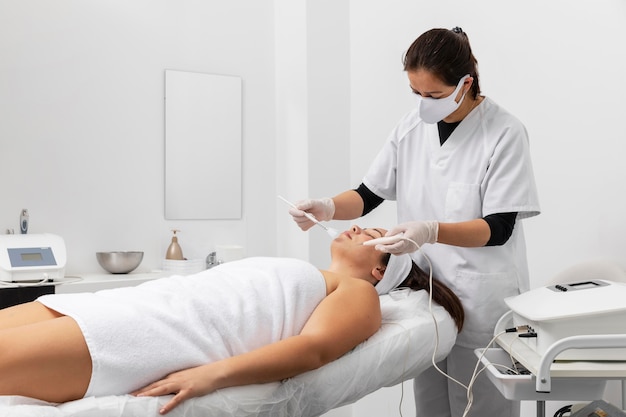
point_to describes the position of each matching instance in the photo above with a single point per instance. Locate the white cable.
(470, 394)
(41, 283)
(9, 284)
(468, 387)
(406, 358)
(432, 314)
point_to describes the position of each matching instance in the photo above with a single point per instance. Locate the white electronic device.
(593, 307)
(32, 258)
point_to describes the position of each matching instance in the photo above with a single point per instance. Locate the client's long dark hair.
(417, 279)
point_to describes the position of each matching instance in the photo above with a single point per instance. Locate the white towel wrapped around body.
(137, 335)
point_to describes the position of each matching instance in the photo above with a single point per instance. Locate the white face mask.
(433, 110)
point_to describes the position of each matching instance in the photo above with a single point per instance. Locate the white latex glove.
(419, 232)
(322, 209)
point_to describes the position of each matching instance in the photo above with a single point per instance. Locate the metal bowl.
(119, 262)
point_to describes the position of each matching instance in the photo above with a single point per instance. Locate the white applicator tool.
(385, 240)
(331, 232)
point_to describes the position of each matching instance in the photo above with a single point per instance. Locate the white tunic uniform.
(483, 168)
(137, 335)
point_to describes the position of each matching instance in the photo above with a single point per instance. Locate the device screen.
(32, 256)
(29, 257)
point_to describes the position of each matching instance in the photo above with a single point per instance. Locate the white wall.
(82, 130)
(313, 114)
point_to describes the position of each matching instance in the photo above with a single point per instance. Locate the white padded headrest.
(397, 270)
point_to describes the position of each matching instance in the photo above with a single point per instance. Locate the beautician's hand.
(419, 232)
(185, 384)
(323, 209)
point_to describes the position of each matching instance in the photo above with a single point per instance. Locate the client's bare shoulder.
(335, 281)
(348, 315)
(353, 293)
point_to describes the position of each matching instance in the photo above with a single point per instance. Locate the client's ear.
(378, 272)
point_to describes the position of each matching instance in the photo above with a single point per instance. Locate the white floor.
(398, 401)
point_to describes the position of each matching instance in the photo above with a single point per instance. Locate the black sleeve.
(501, 225)
(370, 200)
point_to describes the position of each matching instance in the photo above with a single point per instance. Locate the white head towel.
(396, 272)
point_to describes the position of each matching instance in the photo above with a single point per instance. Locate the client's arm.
(345, 318)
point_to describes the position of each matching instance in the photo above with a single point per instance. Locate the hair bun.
(457, 29)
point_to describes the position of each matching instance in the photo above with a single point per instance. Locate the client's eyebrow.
(380, 232)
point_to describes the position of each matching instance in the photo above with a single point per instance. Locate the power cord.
(39, 283)
(436, 324)
(561, 412)
(523, 330)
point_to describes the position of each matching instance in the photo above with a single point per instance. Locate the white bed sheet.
(400, 350)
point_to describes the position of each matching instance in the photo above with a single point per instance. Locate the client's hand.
(185, 384)
(417, 232)
(323, 209)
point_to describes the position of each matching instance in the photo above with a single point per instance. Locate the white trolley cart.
(569, 340)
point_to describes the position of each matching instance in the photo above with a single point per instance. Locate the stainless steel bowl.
(119, 262)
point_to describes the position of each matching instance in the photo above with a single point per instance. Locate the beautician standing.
(459, 168)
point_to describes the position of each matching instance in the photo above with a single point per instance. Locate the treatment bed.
(399, 351)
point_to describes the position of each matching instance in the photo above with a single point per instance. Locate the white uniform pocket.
(482, 295)
(463, 202)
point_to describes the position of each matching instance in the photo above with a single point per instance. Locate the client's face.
(350, 244)
(349, 253)
(356, 236)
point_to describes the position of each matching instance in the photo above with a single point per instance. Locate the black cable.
(561, 411)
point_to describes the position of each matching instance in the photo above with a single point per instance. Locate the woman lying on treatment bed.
(250, 321)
